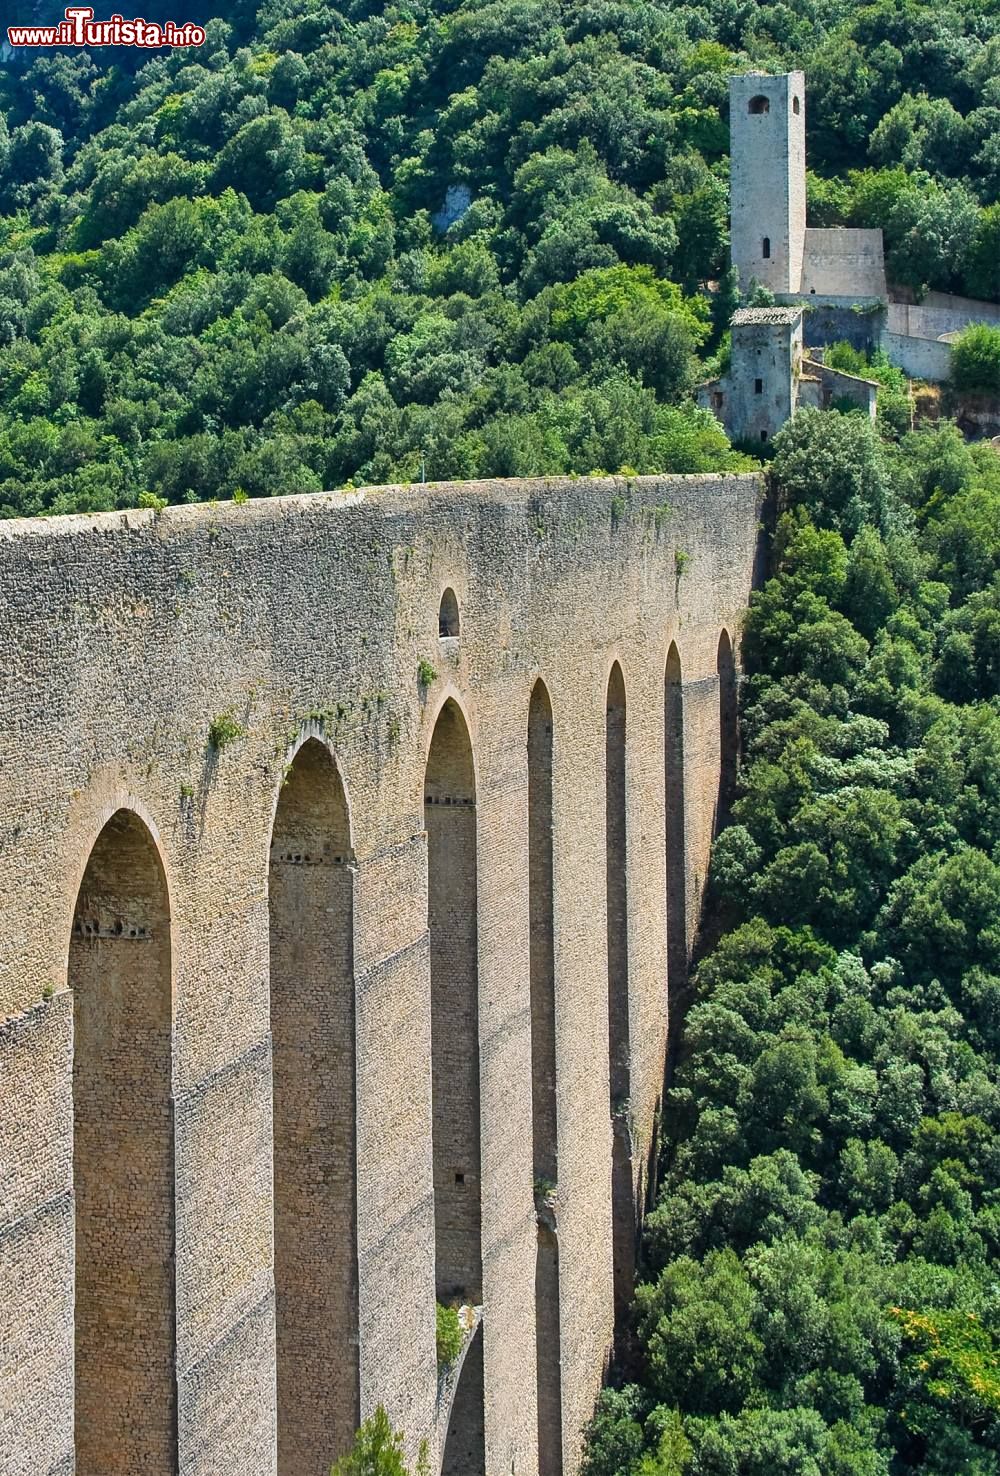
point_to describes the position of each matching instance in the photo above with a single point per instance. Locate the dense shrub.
(378, 1451)
(975, 361)
(450, 1336)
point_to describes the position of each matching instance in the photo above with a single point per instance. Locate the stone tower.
(767, 136)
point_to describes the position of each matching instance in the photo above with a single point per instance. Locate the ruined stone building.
(349, 844)
(771, 376)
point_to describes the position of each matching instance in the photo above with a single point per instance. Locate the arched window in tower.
(796, 106)
(123, 1158)
(765, 248)
(759, 104)
(310, 902)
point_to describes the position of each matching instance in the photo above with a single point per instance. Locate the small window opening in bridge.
(448, 618)
(796, 106)
(765, 248)
(459, 1178)
(813, 291)
(763, 435)
(758, 386)
(759, 104)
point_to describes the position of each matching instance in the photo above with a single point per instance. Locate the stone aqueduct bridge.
(313, 972)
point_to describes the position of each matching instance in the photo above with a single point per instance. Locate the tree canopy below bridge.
(820, 1286)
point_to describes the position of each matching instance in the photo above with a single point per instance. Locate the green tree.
(834, 462)
(379, 1451)
(982, 267)
(975, 361)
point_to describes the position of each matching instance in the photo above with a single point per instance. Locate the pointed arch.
(310, 905)
(120, 974)
(619, 1074)
(615, 817)
(728, 729)
(673, 773)
(543, 1079)
(541, 936)
(450, 820)
(450, 823)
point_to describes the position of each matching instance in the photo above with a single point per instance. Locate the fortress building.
(828, 284)
(350, 848)
(838, 274)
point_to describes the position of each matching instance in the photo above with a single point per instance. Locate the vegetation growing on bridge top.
(449, 1335)
(819, 1291)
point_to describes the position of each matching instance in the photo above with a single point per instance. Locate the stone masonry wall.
(122, 637)
(830, 322)
(842, 262)
(937, 314)
(919, 358)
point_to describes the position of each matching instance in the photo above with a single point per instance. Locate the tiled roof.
(763, 316)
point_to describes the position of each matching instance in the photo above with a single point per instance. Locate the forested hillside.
(234, 268)
(821, 1293)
